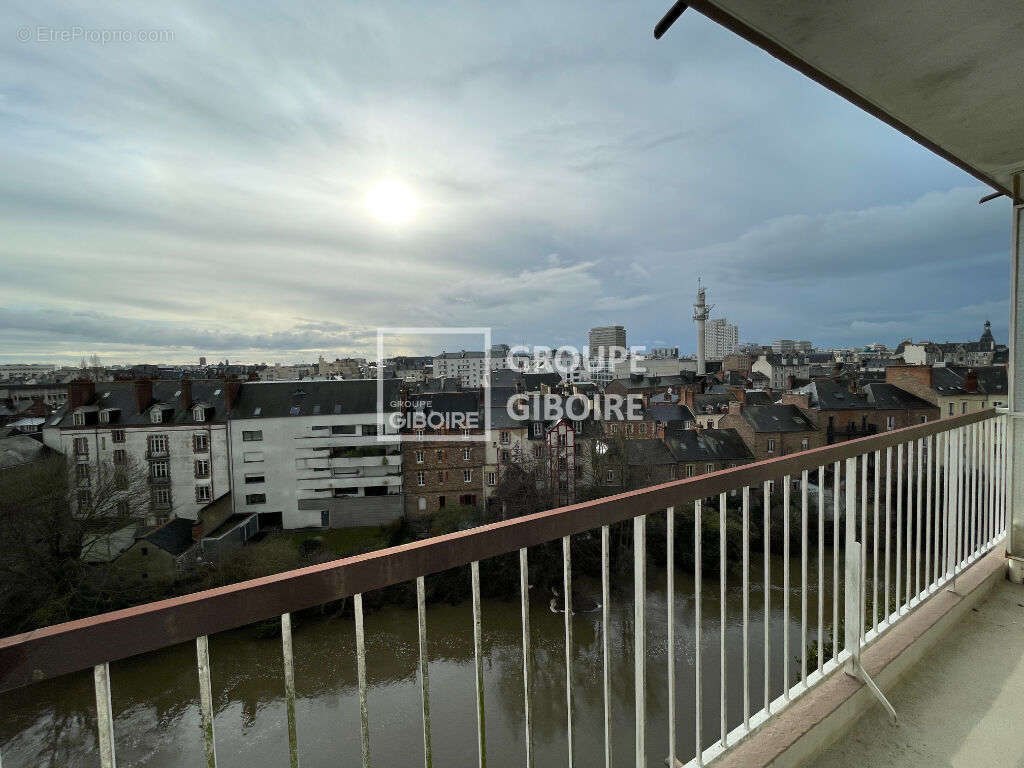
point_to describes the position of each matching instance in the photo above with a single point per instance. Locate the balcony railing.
(934, 494)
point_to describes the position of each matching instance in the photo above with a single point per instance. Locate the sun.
(392, 202)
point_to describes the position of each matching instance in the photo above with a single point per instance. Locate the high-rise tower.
(701, 310)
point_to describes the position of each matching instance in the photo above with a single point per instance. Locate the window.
(343, 429)
(711, 468)
(369, 429)
(465, 433)
(82, 474)
(610, 476)
(440, 454)
(505, 438)
(442, 476)
(951, 409)
(561, 439)
(199, 413)
(689, 470)
(805, 444)
(419, 457)
(465, 454)
(117, 435)
(202, 468)
(924, 419)
(468, 499)
(81, 446)
(440, 502)
(467, 475)
(79, 419)
(157, 444)
(538, 429)
(120, 457)
(161, 497)
(251, 457)
(203, 493)
(252, 435)
(506, 457)
(255, 498)
(420, 478)
(200, 442)
(491, 478)
(771, 445)
(890, 422)
(251, 478)
(156, 416)
(421, 504)
(161, 469)
(963, 407)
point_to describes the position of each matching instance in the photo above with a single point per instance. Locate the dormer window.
(104, 417)
(199, 413)
(79, 419)
(157, 416)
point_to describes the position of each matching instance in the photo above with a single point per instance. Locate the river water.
(155, 697)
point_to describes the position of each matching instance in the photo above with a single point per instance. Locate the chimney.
(660, 429)
(854, 385)
(143, 394)
(197, 531)
(791, 382)
(80, 392)
(688, 399)
(735, 408)
(231, 390)
(186, 394)
(971, 382)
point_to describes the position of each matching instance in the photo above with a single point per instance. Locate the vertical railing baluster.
(104, 716)
(851, 577)
(785, 585)
(766, 544)
(524, 596)
(670, 614)
(863, 538)
(421, 627)
(639, 637)
(289, 688)
(961, 487)
(697, 574)
(899, 526)
(929, 452)
(947, 501)
(803, 577)
(364, 719)
(874, 544)
(835, 560)
(606, 676)
(888, 529)
(478, 662)
(821, 567)
(722, 612)
(206, 699)
(567, 586)
(910, 517)
(987, 475)
(746, 607)
(975, 461)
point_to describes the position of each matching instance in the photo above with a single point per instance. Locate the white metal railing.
(943, 507)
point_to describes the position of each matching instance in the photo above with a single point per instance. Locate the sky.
(200, 185)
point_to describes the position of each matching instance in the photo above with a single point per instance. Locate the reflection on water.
(155, 697)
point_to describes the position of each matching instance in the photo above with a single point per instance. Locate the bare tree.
(57, 521)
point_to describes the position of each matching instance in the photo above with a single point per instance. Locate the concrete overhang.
(946, 73)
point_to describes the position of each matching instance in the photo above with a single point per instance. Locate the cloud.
(208, 192)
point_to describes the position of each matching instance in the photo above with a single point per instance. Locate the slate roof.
(174, 537)
(311, 398)
(707, 445)
(828, 395)
(889, 397)
(666, 413)
(641, 453)
(717, 402)
(777, 418)
(758, 397)
(120, 395)
(647, 382)
(991, 378)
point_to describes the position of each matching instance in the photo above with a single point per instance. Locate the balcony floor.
(960, 706)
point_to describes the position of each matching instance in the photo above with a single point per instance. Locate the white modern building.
(307, 454)
(470, 368)
(720, 338)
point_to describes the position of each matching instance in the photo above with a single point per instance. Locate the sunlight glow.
(392, 202)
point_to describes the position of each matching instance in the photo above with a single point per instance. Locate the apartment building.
(439, 473)
(955, 390)
(720, 338)
(470, 368)
(773, 430)
(174, 431)
(311, 454)
(604, 337)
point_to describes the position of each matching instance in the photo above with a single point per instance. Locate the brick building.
(773, 430)
(954, 390)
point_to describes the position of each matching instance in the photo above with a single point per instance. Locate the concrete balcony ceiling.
(945, 73)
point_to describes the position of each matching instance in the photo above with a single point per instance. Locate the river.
(155, 697)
